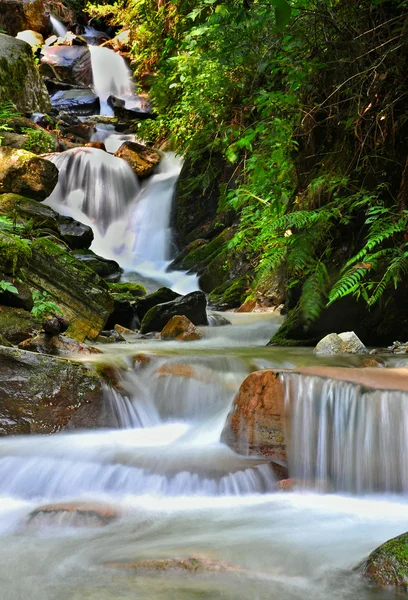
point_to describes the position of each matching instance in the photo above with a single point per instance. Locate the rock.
(124, 312)
(286, 485)
(56, 345)
(120, 42)
(142, 159)
(79, 100)
(343, 343)
(17, 324)
(24, 173)
(125, 332)
(230, 294)
(191, 565)
(99, 145)
(388, 564)
(180, 328)
(180, 263)
(105, 268)
(158, 297)
(20, 81)
(132, 289)
(33, 38)
(256, 422)
(4, 342)
(44, 394)
(81, 295)
(192, 306)
(71, 64)
(140, 110)
(22, 298)
(19, 15)
(75, 514)
(75, 234)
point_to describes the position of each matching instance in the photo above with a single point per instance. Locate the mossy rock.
(21, 298)
(4, 342)
(82, 296)
(388, 564)
(230, 294)
(217, 273)
(202, 255)
(17, 324)
(160, 296)
(25, 210)
(20, 81)
(26, 174)
(14, 252)
(105, 268)
(44, 394)
(178, 263)
(130, 288)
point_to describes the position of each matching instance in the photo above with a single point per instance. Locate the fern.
(313, 298)
(348, 284)
(394, 273)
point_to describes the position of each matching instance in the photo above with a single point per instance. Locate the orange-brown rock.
(141, 360)
(57, 345)
(78, 514)
(180, 328)
(99, 145)
(142, 159)
(286, 485)
(255, 424)
(191, 565)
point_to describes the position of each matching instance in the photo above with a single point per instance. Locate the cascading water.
(346, 437)
(111, 77)
(58, 28)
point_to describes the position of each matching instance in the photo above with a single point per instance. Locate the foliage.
(14, 252)
(38, 141)
(7, 111)
(7, 286)
(43, 305)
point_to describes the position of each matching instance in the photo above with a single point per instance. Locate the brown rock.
(255, 424)
(57, 345)
(140, 158)
(180, 328)
(78, 514)
(248, 306)
(191, 565)
(99, 145)
(286, 485)
(141, 360)
(19, 15)
(27, 174)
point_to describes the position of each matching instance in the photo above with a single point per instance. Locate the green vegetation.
(7, 286)
(7, 111)
(43, 305)
(38, 141)
(300, 111)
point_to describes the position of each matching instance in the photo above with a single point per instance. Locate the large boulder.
(388, 564)
(104, 267)
(160, 296)
(192, 306)
(256, 423)
(27, 174)
(342, 343)
(142, 159)
(18, 15)
(17, 324)
(71, 64)
(44, 394)
(20, 81)
(82, 296)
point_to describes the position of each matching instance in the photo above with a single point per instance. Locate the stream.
(176, 491)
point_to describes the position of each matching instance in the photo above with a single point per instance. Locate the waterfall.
(111, 77)
(58, 28)
(346, 437)
(95, 183)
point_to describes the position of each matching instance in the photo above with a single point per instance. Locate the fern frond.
(347, 284)
(394, 273)
(313, 298)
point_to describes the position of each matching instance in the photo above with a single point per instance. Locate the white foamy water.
(57, 27)
(111, 77)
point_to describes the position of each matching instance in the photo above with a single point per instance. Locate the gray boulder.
(193, 306)
(343, 343)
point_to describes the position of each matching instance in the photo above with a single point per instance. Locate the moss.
(230, 294)
(388, 564)
(288, 332)
(202, 256)
(17, 324)
(14, 252)
(4, 341)
(129, 288)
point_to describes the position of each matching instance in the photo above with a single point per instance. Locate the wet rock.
(190, 565)
(181, 262)
(75, 234)
(17, 324)
(33, 38)
(218, 321)
(125, 332)
(120, 42)
(80, 294)
(71, 64)
(44, 394)
(141, 109)
(343, 343)
(24, 173)
(286, 485)
(388, 564)
(180, 328)
(230, 294)
(105, 268)
(18, 15)
(193, 306)
(125, 295)
(160, 296)
(20, 81)
(73, 514)
(142, 159)
(132, 289)
(256, 423)
(56, 345)
(79, 100)
(99, 145)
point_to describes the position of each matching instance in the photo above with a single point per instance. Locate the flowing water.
(111, 77)
(158, 463)
(57, 27)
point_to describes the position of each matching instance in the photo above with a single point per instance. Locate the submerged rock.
(18, 15)
(20, 81)
(191, 565)
(256, 423)
(74, 514)
(388, 564)
(342, 343)
(192, 306)
(44, 394)
(180, 328)
(27, 174)
(142, 159)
